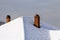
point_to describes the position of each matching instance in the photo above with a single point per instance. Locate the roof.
(33, 33)
(22, 29)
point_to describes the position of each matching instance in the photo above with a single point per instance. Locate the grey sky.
(49, 10)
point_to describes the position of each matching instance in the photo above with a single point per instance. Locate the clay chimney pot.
(37, 21)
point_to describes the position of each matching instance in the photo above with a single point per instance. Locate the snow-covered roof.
(33, 33)
(22, 29)
(13, 30)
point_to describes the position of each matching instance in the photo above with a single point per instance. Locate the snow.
(54, 34)
(33, 33)
(22, 28)
(13, 30)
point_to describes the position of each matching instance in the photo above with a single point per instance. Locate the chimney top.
(37, 21)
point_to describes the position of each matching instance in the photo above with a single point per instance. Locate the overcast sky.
(49, 10)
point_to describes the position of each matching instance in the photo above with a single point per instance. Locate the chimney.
(37, 21)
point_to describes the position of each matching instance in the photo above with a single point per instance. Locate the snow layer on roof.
(33, 33)
(22, 27)
(13, 30)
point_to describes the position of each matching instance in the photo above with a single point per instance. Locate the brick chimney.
(37, 21)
